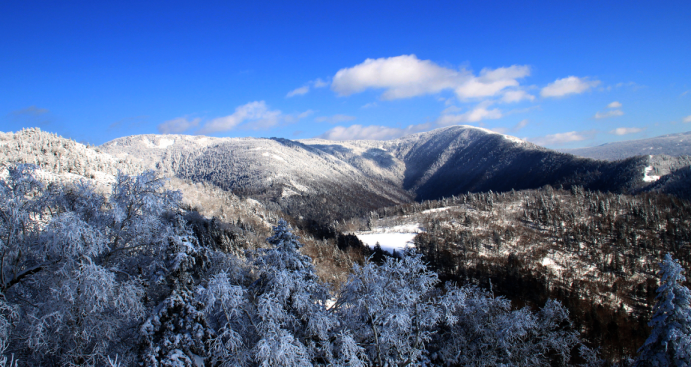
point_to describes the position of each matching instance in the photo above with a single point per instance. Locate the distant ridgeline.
(675, 145)
(327, 180)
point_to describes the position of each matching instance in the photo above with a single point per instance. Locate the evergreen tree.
(669, 343)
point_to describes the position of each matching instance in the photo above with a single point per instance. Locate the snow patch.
(510, 138)
(388, 241)
(514, 139)
(299, 187)
(393, 238)
(549, 263)
(647, 177)
(165, 143)
(148, 143)
(437, 210)
(288, 193)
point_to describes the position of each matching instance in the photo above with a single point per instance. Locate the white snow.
(549, 263)
(647, 177)
(436, 210)
(299, 187)
(391, 238)
(286, 193)
(388, 241)
(507, 137)
(148, 143)
(165, 143)
(514, 139)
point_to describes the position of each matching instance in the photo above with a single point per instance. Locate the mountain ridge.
(674, 145)
(354, 177)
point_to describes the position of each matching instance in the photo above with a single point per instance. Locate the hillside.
(326, 180)
(674, 145)
(595, 252)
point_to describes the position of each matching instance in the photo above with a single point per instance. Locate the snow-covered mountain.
(63, 159)
(324, 177)
(672, 145)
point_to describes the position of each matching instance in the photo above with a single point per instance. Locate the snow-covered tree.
(75, 265)
(21, 206)
(177, 335)
(279, 317)
(669, 343)
(480, 329)
(291, 319)
(390, 310)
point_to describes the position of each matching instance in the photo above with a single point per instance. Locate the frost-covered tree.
(21, 206)
(479, 329)
(177, 335)
(226, 308)
(291, 319)
(669, 343)
(76, 265)
(279, 317)
(390, 310)
(89, 279)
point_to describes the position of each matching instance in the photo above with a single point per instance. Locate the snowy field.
(391, 238)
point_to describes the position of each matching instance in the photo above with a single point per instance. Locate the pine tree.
(669, 343)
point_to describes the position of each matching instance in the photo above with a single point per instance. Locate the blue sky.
(561, 74)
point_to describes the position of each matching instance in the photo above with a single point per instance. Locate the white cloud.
(492, 82)
(296, 117)
(372, 132)
(503, 130)
(477, 114)
(563, 138)
(614, 104)
(318, 83)
(305, 114)
(257, 113)
(298, 91)
(612, 113)
(31, 110)
(268, 120)
(568, 85)
(370, 105)
(407, 76)
(687, 119)
(178, 125)
(517, 96)
(626, 130)
(521, 124)
(334, 119)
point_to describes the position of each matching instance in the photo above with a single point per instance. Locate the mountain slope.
(596, 252)
(673, 145)
(330, 180)
(297, 178)
(63, 159)
(473, 159)
(460, 159)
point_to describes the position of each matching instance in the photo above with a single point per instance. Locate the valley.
(482, 208)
